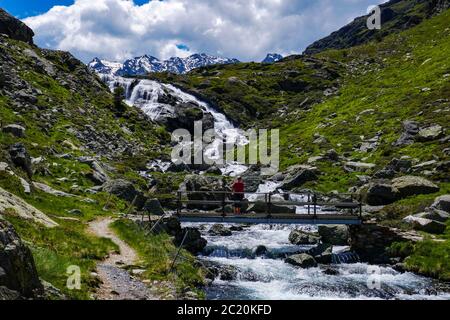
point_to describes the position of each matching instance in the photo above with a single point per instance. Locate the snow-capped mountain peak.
(272, 57)
(148, 64)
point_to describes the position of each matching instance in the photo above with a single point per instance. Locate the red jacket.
(238, 187)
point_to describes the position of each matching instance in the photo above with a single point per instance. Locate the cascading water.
(145, 95)
(268, 277)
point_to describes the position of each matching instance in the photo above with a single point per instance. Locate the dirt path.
(117, 283)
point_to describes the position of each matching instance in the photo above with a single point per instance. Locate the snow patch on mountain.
(272, 58)
(149, 64)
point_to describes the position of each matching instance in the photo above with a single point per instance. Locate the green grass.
(54, 250)
(157, 253)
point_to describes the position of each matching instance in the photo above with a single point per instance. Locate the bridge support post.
(315, 206)
(224, 204)
(179, 203)
(269, 205)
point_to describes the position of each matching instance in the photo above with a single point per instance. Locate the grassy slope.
(158, 253)
(69, 243)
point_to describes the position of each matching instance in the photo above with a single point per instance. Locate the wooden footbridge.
(267, 208)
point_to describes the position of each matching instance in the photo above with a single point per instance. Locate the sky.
(244, 29)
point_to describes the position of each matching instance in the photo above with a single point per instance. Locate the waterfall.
(146, 95)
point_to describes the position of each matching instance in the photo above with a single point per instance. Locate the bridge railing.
(221, 199)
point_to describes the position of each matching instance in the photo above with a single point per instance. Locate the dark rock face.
(336, 235)
(204, 184)
(194, 242)
(411, 185)
(15, 130)
(18, 275)
(14, 28)
(323, 253)
(299, 177)
(21, 158)
(153, 206)
(302, 260)
(442, 203)
(370, 242)
(380, 194)
(124, 190)
(298, 237)
(220, 231)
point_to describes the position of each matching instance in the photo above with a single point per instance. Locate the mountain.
(272, 57)
(396, 15)
(149, 64)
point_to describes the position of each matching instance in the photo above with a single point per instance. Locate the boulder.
(411, 185)
(252, 178)
(214, 170)
(434, 214)
(379, 194)
(259, 251)
(204, 184)
(194, 242)
(15, 129)
(21, 158)
(15, 28)
(370, 241)
(123, 189)
(298, 237)
(302, 260)
(323, 253)
(334, 234)
(431, 133)
(98, 174)
(442, 203)
(17, 268)
(352, 166)
(219, 230)
(426, 225)
(22, 209)
(298, 177)
(153, 206)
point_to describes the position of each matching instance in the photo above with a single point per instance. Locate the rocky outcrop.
(14, 129)
(299, 237)
(399, 14)
(20, 157)
(302, 260)
(297, 176)
(323, 253)
(411, 185)
(336, 235)
(219, 230)
(194, 243)
(16, 206)
(153, 206)
(205, 184)
(370, 242)
(18, 275)
(15, 28)
(380, 193)
(430, 133)
(426, 225)
(442, 203)
(384, 192)
(125, 190)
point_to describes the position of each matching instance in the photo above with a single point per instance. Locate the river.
(270, 278)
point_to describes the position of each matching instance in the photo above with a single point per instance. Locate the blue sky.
(243, 29)
(27, 8)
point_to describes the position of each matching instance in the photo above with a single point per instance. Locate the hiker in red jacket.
(238, 194)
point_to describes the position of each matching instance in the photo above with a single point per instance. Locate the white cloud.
(243, 29)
